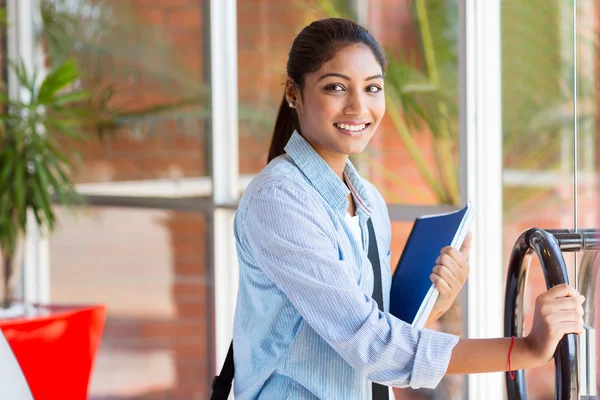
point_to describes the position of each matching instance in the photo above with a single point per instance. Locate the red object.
(56, 350)
(511, 373)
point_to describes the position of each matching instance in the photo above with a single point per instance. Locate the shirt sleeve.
(293, 241)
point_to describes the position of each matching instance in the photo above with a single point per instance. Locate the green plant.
(84, 92)
(34, 164)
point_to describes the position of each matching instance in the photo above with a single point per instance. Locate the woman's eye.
(334, 88)
(374, 88)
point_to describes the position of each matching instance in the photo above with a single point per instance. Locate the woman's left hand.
(449, 275)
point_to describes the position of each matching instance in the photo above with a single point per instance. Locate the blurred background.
(185, 94)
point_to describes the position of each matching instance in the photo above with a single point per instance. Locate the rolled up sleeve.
(432, 358)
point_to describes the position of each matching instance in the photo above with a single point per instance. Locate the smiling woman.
(313, 243)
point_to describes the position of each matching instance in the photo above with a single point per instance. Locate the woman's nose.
(356, 105)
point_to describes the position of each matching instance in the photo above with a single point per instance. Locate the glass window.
(539, 125)
(145, 64)
(152, 270)
(265, 34)
(414, 156)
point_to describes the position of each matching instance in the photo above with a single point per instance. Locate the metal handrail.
(548, 249)
(588, 279)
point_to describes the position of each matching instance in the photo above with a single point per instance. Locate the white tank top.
(354, 228)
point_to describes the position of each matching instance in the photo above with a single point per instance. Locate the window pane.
(413, 156)
(538, 132)
(151, 269)
(266, 30)
(148, 61)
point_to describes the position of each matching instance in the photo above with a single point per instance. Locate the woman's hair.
(315, 45)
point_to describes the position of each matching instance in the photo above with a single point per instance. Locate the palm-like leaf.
(34, 166)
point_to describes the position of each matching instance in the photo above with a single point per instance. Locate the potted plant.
(37, 133)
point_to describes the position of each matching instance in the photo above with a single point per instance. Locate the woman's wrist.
(433, 317)
(525, 354)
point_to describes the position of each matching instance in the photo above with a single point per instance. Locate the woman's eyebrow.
(370, 78)
(346, 77)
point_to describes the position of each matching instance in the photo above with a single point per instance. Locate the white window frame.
(223, 44)
(25, 24)
(481, 170)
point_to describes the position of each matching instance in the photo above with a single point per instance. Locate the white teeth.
(351, 128)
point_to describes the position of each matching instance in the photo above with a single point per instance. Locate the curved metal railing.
(549, 246)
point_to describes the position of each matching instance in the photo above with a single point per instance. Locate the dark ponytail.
(315, 45)
(286, 122)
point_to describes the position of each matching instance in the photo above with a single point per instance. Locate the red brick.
(153, 16)
(191, 349)
(184, 17)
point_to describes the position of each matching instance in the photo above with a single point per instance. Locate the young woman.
(306, 326)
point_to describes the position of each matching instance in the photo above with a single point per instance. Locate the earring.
(291, 104)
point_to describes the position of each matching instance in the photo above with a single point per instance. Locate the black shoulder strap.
(374, 258)
(221, 384)
(379, 392)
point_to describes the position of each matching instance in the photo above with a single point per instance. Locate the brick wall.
(156, 57)
(170, 146)
(192, 342)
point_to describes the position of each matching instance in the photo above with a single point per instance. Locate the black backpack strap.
(221, 384)
(379, 392)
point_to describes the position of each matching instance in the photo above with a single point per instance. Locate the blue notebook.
(412, 294)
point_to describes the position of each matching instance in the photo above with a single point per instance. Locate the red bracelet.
(510, 372)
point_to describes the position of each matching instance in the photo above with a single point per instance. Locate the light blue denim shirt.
(305, 324)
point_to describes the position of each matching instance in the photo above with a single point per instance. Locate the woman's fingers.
(565, 303)
(563, 316)
(558, 311)
(447, 275)
(564, 328)
(562, 290)
(453, 265)
(441, 285)
(459, 258)
(466, 245)
(561, 309)
(572, 327)
(561, 298)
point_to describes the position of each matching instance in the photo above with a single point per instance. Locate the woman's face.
(342, 103)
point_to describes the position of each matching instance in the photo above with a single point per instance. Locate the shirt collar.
(324, 179)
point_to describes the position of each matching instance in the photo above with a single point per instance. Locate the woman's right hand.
(558, 311)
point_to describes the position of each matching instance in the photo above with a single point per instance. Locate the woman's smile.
(352, 128)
